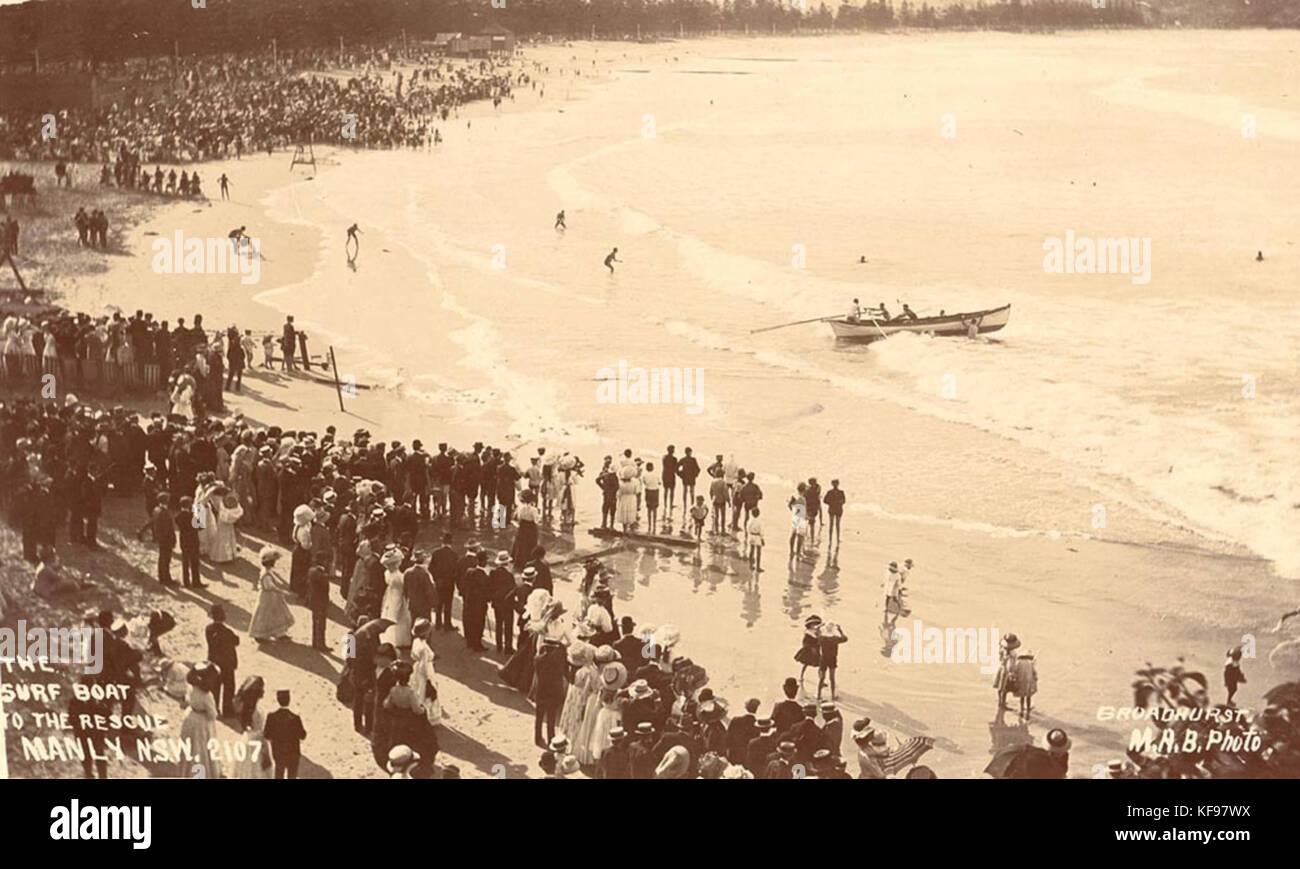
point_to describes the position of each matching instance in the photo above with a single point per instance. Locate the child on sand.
(268, 350)
(650, 485)
(698, 514)
(754, 534)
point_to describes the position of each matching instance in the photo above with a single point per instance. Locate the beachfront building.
(501, 39)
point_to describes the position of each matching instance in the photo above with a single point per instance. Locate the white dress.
(395, 608)
(182, 398)
(198, 728)
(250, 749)
(224, 545)
(422, 676)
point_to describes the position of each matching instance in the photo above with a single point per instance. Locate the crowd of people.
(615, 701)
(175, 110)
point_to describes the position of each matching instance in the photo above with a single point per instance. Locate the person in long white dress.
(225, 543)
(182, 397)
(272, 618)
(424, 678)
(199, 727)
(394, 606)
(205, 509)
(629, 491)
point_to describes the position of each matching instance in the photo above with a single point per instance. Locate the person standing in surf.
(559, 222)
(834, 501)
(353, 241)
(612, 258)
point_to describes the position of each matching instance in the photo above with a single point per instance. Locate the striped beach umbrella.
(906, 754)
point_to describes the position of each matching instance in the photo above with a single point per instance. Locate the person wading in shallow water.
(611, 259)
(559, 222)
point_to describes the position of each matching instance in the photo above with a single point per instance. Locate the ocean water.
(1174, 403)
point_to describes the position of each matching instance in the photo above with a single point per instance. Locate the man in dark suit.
(500, 591)
(443, 564)
(761, 747)
(615, 762)
(548, 688)
(629, 646)
(345, 539)
(186, 527)
(419, 588)
(164, 531)
(788, 712)
(222, 642)
(641, 754)
(318, 599)
(806, 735)
(543, 578)
(741, 730)
(475, 606)
(285, 733)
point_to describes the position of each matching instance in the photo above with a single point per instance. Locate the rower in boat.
(907, 314)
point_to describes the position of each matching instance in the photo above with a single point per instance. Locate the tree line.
(90, 31)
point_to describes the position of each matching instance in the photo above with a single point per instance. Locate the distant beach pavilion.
(443, 42)
(493, 39)
(500, 38)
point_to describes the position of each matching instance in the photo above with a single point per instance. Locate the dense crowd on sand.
(202, 108)
(612, 698)
(190, 363)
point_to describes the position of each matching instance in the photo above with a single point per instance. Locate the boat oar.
(878, 329)
(796, 323)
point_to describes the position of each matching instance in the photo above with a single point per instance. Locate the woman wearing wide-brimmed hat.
(809, 654)
(584, 684)
(300, 562)
(613, 676)
(200, 724)
(629, 493)
(272, 618)
(394, 606)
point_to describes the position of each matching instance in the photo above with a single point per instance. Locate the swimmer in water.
(611, 259)
(559, 221)
(353, 243)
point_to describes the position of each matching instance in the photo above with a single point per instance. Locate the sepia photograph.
(650, 389)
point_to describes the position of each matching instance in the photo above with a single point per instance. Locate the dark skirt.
(809, 653)
(525, 543)
(808, 656)
(518, 671)
(298, 567)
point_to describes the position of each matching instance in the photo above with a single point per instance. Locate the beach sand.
(459, 351)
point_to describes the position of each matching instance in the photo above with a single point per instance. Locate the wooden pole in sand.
(13, 265)
(338, 387)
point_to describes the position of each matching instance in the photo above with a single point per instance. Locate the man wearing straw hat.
(500, 588)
